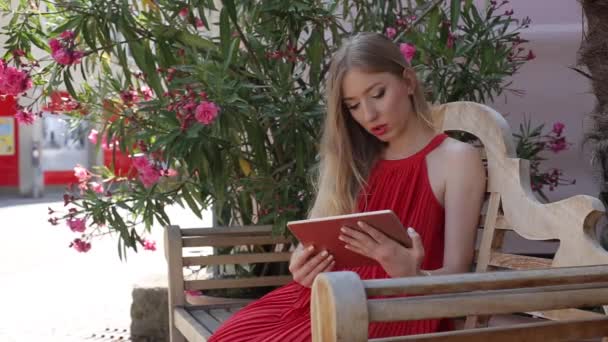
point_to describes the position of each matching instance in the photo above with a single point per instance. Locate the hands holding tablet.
(383, 240)
(396, 259)
(306, 263)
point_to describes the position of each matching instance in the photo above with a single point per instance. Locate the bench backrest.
(511, 204)
(187, 259)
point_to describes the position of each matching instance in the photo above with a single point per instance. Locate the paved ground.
(49, 292)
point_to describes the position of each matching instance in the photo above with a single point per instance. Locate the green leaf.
(467, 5)
(190, 201)
(195, 41)
(225, 33)
(315, 53)
(433, 27)
(67, 80)
(161, 215)
(229, 5)
(455, 6)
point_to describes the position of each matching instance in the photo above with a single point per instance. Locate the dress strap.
(433, 144)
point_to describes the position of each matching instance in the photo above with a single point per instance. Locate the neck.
(414, 137)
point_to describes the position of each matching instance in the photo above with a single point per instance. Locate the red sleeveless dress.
(400, 185)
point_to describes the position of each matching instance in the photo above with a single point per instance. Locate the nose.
(370, 112)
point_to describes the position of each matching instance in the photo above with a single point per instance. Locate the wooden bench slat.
(566, 314)
(566, 330)
(490, 302)
(453, 283)
(208, 284)
(220, 315)
(225, 241)
(189, 326)
(518, 262)
(229, 305)
(228, 231)
(501, 222)
(244, 258)
(204, 318)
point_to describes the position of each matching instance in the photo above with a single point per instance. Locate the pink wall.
(553, 92)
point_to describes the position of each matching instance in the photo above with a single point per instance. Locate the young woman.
(379, 150)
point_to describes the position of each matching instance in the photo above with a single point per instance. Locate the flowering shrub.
(222, 107)
(531, 143)
(14, 82)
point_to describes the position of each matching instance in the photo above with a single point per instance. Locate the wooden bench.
(341, 309)
(510, 206)
(187, 316)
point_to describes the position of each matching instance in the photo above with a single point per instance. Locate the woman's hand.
(305, 264)
(396, 259)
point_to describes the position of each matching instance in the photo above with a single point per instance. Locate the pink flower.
(183, 12)
(530, 56)
(149, 176)
(451, 40)
(93, 136)
(408, 51)
(81, 173)
(149, 245)
(391, 32)
(76, 56)
(18, 53)
(147, 93)
(171, 173)
(206, 112)
(13, 81)
(60, 51)
(193, 293)
(80, 246)
(129, 96)
(558, 145)
(199, 23)
(54, 44)
(141, 163)
(68, 34)
(24, 117)
(76, 224)
(97, 187)
(558, 128)
(62, 56)
(105, 144)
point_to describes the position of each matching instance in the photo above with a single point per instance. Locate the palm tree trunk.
(593, 54)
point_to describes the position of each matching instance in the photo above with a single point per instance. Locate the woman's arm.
(463, 198)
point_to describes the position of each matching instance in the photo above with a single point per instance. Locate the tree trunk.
(593, 54)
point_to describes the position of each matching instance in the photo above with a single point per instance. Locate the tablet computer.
(323, 234)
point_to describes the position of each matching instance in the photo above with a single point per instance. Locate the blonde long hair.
(347, 151)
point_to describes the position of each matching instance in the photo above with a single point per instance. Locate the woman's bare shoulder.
(456, 152)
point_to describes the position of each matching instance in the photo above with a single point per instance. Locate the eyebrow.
(365, 91)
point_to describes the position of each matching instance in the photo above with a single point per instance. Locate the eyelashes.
(378, 95)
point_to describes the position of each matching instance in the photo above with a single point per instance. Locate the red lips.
(379, 130)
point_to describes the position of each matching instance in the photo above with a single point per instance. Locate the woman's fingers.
(375, 234)
(417, 247)
(301, 274)
(301, 258)
(325, 264)
(358, 250)
(354, 234)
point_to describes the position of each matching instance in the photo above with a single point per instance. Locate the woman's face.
(379, 102)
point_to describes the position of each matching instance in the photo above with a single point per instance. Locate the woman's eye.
(353, 107)
(379, 94)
